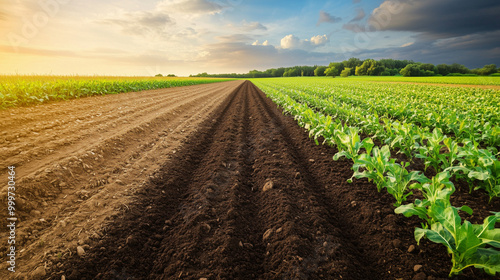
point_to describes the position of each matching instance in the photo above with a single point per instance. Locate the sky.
(183, 37)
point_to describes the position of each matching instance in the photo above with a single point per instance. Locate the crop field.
(454, 131)
(272, 178)
(494, 81)
(27, 90)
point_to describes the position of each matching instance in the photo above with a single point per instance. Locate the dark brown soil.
(205, 213)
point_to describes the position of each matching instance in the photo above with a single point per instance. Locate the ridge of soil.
(250, 196)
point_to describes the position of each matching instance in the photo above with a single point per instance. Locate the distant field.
(27, 90)
(437, 80)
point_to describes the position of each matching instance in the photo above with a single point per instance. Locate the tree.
(487, 70)
(331, 71)
(352, 62)
(411, 70)
(458, 68)
(428, 67)
(278, 72)
(346, 72)
(362, 70)
(158, 75)
(292, 72)
(320, 71)
(443, 69)
(415, 70)
(339, 66)
(370, 67)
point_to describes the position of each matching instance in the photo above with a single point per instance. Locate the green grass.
(29, 90)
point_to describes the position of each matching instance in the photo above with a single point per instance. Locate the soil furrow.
(327, 237)
(74, 194)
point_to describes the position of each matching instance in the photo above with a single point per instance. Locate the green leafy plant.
(349, 143)
(374, 166)
(469, 245)
(399, 181)
(430, 152)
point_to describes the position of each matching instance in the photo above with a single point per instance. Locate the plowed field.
(201, 182)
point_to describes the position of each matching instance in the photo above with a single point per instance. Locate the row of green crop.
(484, 80)
(469, 244)
(478, 167)
(466, 113)
(27, 91)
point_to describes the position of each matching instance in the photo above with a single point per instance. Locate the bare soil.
(80, 161)
(246, 195)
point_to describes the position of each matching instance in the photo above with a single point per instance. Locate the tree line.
(367, 67)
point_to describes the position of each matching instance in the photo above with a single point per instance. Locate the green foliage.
(486, 70)
(416, 70)
(370, 67)
(400, 179)
(375, 166)
(346, 72)
(468, 244)
(331, 71)
(320, 71)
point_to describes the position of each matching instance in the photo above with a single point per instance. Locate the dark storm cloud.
(439, 19)
(473, 51)
(446, 31)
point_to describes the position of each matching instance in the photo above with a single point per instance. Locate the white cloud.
(265, 43)
(290, 42)
(319, 40)
(293, 42)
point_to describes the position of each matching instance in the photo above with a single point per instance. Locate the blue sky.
(132, 37)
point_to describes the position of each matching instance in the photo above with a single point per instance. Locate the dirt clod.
(411, 249)
(267, 234)
(268, 186)
(397, 243)
(420, 276)
(80, 251)
(38, 273)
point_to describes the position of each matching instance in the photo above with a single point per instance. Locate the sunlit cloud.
(293, 42)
